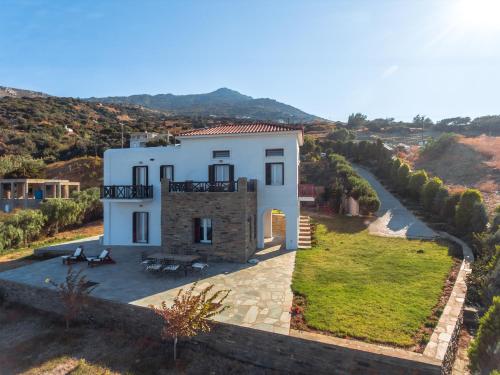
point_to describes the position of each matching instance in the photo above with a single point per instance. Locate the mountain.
(219, 103)
(19, 93)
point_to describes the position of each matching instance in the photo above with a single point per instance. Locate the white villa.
(212, 194)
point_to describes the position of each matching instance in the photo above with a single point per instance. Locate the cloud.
(390, 71)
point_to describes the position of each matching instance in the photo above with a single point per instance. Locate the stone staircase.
(305, 232)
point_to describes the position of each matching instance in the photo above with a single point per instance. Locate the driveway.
(393, 219)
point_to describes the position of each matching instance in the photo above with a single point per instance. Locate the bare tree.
(73, 291)
(189, 314)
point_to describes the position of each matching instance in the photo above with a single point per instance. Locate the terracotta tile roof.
(259, 127)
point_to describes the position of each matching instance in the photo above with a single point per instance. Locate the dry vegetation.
(34, 344)
(87, 170)
(468, 162)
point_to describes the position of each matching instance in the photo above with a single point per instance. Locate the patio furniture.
(183, 260)
(77, 256)
(199, 267)
(154, 267)
(103, 258)
(146, 260)
(172, 268)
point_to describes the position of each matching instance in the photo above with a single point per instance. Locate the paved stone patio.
(260, 296)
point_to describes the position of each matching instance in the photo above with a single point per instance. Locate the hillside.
(56, 129)
(470, 162)
(19, 93)
(220, 103)
(86, 170)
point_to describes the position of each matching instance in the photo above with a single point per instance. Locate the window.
(274, 152)
(140, 227)
(203, 230)
(275, 174)
(140, 175)
(167, 171)
(220, 154)
(221, 173)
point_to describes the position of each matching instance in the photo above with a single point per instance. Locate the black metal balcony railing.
(127, 192)
(203, 186)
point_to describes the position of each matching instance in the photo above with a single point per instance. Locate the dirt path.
(393, 219)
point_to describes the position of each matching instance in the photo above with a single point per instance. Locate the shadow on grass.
(344, 224)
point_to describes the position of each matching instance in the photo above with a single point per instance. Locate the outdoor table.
(184, 260)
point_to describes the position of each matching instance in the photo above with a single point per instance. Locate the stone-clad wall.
(279, 225)
(233, 222)
(289, 354)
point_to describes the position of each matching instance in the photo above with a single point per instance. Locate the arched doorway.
(274, 226)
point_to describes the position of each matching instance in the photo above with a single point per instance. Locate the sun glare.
(477, 14)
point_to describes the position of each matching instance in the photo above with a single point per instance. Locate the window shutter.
(282, 174)
(147, 177)
(231, 173)
(268, 173)
(211, 173)
(196, 230)
(173, 173)
(147, 227)
(162, 172)
(134, 227)
(134, 176)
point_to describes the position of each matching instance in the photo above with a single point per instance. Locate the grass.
(371, 288)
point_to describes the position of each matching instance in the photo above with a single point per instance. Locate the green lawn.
(372, 288)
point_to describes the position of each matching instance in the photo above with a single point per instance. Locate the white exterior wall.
(191, 160)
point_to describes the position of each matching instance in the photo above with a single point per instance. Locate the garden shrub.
(60, 213)
(440, 200)
(29, 222)
(450, 206)
(484, 350)
(479, 217)
(464, 210)
(403, 177)
(416, 182)
(394, 171)
(429, 192)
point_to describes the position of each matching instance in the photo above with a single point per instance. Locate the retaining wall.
(295, 353)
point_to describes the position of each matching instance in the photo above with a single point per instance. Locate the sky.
(383, 58)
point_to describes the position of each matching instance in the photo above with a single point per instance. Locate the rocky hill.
(19, 93)
(220, 103)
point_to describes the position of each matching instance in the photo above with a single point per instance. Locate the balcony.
(211, 187)
(127, 193)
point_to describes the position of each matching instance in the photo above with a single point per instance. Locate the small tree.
(30, 222)
(403, 177)
(463, 214)
(74, 292)
(484, 349)
(60, 213)
(394, 171)
(479, 217)
(416, 182)
(429, 192)
(450, 206)
(439, 200)
(189, 313)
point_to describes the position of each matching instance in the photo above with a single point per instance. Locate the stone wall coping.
(442, 343)
(365, 347)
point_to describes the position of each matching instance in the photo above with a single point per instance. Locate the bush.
(394, 171)
(10, 236)
(403, 177)
(479, 218)
(60, 213)
(416, 182)
(429, 192)
(90, 204)
(450, 206)
(29, 222)
(484, 349)
(440, 200)
(19, 166)
(464, 210)
(369, 204)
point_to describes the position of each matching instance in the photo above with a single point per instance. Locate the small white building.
(207, 168)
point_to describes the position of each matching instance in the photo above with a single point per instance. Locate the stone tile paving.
(260, 296)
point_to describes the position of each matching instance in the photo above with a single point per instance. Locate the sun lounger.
(77, 256)
(103, 258)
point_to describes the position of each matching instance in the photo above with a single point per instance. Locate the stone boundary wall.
(443, 343)
(296, 353)
(279, 225)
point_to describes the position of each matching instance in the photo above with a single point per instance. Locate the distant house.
(212, 194)
(29, 192)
